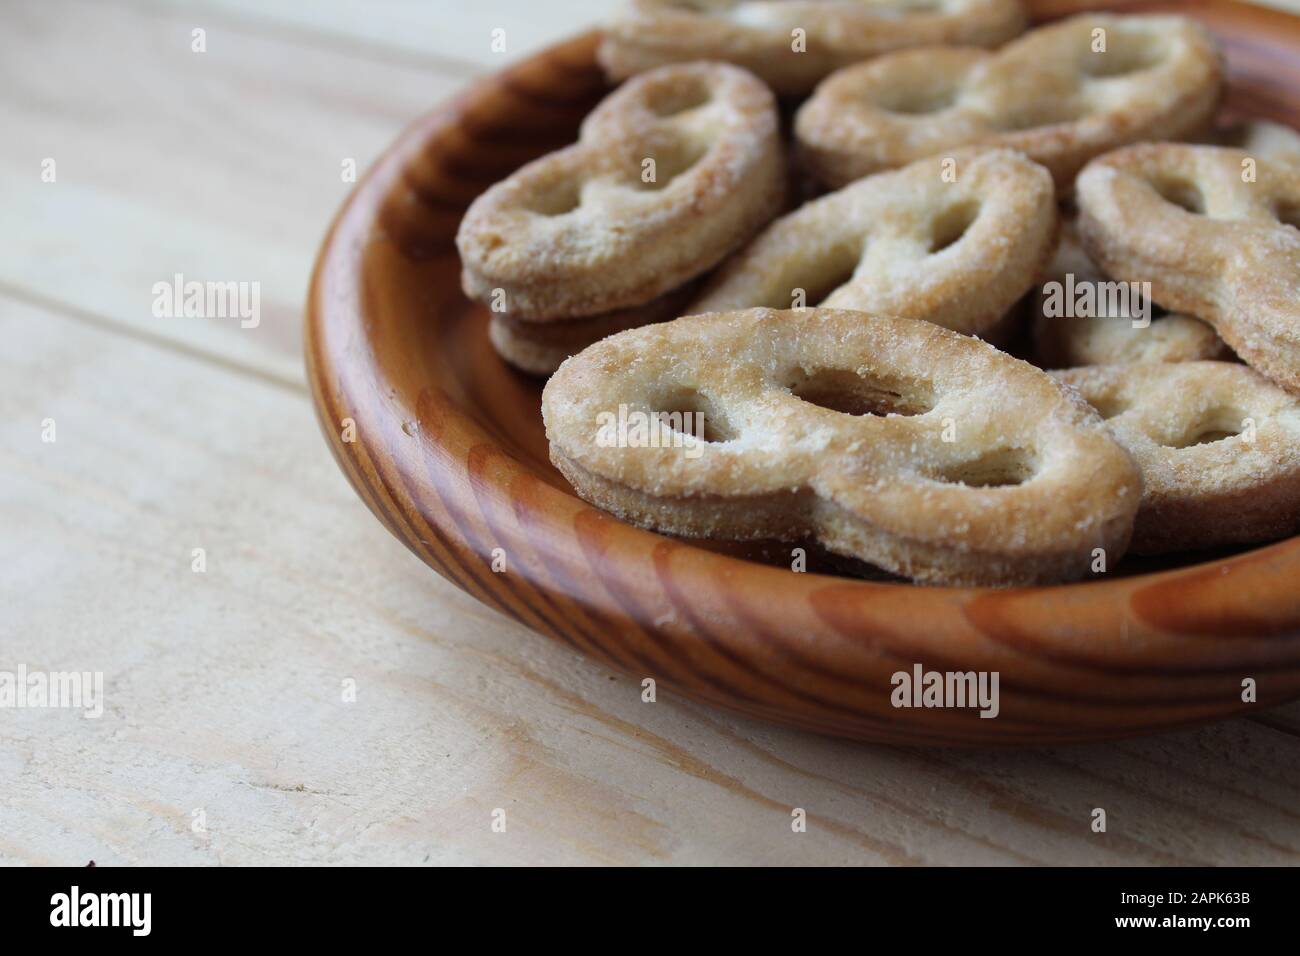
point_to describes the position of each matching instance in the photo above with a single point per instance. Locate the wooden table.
(229, 733)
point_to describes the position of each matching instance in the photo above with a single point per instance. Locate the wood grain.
(223, 691)
(446, 34)
(161, 160)
(450, 456)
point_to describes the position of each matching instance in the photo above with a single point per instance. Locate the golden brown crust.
(1047, 94)
(539, 347)
(1243, 488)
(1236, 264)
(1108, 337)
(908, 242)
(925, 452)
(579, 233)
(760, 35)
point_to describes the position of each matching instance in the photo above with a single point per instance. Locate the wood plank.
(223, 689)
(441, 31)
(223, 166)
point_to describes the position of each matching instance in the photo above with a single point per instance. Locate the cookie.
(1218, 445)
(955, 241)
(919, 450)
(1061, 94)
(1081, 317)
(1214, 230)
(539, 347)
(670, 173)
(792, 44)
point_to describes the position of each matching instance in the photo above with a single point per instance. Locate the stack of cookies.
(670, 174)
(838, 374)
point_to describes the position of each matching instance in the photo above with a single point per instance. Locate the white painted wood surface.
(224, 690)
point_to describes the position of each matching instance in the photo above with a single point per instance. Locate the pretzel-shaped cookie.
(1105, 340)
(1235, 264)
(794, 43)
(957, 250)
(579, 232)
(1218, 445)
(922, 451)
(1047, 94)
(1108, 336)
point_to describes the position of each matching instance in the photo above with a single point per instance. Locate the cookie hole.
(851, 393)
(1219, 424)
(1109, 406)
(951, 225)
(688, 412)
(1183, 193)
(1045, 113)
(1211, 436)
(897, 9)
(837, 269)
(1003, 468)
(1125, 55)
(904, 8)
(557, 202)
(668, 165)
(679, 97)
(916, 101)
(1287, 212)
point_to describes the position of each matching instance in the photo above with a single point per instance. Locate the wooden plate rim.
(1151, 624)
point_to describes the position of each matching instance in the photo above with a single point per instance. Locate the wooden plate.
(448, 452)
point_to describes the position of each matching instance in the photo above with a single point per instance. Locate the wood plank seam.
(106, 324)
(370, 50)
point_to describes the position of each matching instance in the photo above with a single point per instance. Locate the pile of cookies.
(974, 305)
